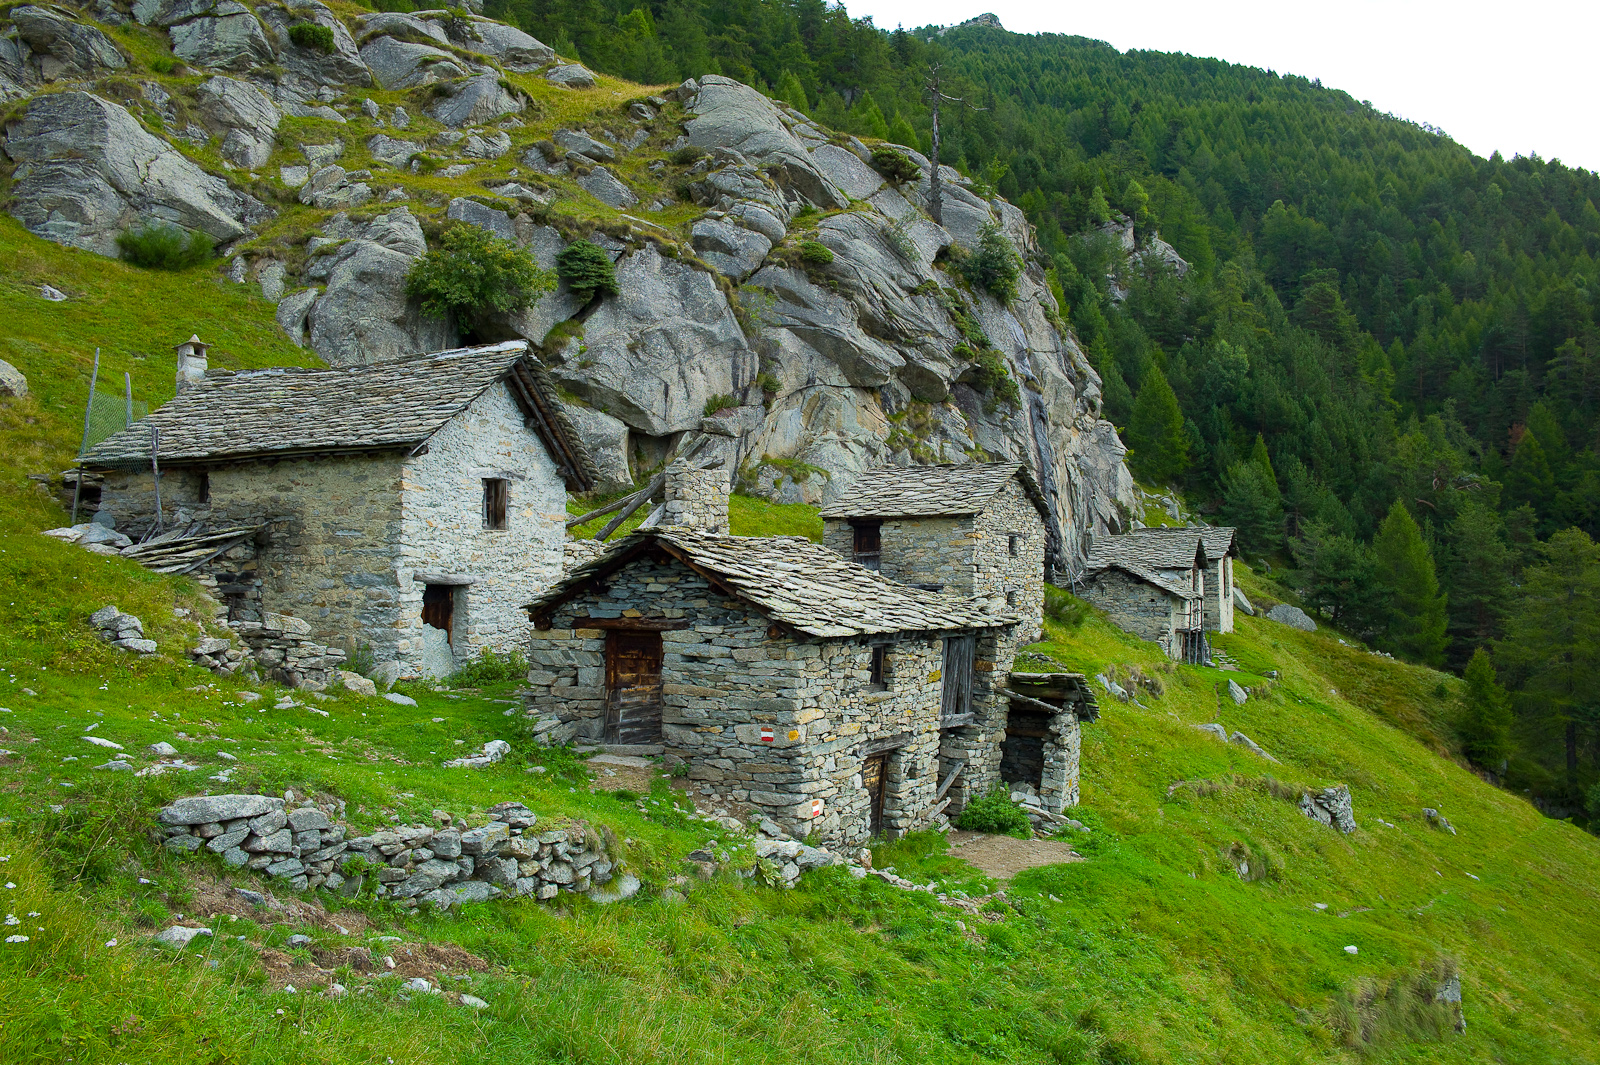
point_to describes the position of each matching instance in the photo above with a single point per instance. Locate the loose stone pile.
(411, 864)
(122, 630)
(1045, 822)
(1331, 806)
(282, 646)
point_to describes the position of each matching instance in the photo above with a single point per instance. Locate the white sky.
(1517, 76)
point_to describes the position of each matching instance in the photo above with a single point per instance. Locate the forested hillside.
(1382, 365)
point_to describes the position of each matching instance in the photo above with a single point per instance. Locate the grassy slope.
(1157, 950)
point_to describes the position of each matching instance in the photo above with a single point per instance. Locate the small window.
(1016, 545)
(1011, 598)
(868, 546)
(879, 677)
(205, 487)
(495, 491)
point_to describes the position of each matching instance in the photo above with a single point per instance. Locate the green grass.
(747, 516)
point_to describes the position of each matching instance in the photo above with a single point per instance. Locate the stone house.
(1221, 550)
(411, 505)
(814, 689)
(1153, 585)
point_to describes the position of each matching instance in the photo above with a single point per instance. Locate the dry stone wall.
(1137, 607)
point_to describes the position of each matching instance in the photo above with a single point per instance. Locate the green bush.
(995, 380)
(312, 36)
(491, 668)
(718, 403)
(164, 247)
(689, 155)
(1064, 607)
(163, 64)
(815, 254)
(994, 267)
(587, 269)
(895, 165)
(475, 273)
(995, 812)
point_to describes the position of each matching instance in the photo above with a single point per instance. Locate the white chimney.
(191, 362)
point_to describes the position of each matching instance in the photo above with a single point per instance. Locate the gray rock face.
(584, 145)
(245, 117)
(474, 102)
(1292, 616)
(88, 171)
(606, 439)
(658, 351)
(570, 76)
(604, 186)
(331, 187)
(342, 66)
(736, 252)
(404, 64)
(731, 115)
(201, 809)
(364, 316)
(228, 39)
(12, 382)
(515, 50)
(1242, 603)
(1236, 693)
(392, 150)
(63, 48)
(1330, 806)
(474, 213)
(394, 22)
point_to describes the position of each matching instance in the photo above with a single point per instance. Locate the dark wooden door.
(875, 780)
(633, 687)
(438, 608)
(957, 676)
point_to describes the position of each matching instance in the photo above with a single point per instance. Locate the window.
(879, 677)
(205, 487)
(1016, 545)
(495, 491)
(868, 547)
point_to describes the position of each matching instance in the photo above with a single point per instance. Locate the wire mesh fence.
(109, 414)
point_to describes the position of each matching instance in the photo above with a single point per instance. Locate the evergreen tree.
(1485, 721)
(1529, 480)
(1478, 578)
(1159, 449)
(791, 92)
(1337, 575)
(1416, 626)
(1551, 653)
(1116, 398)
(866, 118)
(1262, 461)
(1251, 504)
(900, 132)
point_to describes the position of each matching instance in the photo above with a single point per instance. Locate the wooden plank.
(888, 743)
(959, 721)
(934, 811)
(614, 505)
(949, 779)
(1037, 704)
(631, 624)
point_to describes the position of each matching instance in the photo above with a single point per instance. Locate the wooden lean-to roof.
(800, 584)
(398, 405)
(946, 490)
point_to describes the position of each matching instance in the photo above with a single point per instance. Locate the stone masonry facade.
(1139, 607)
(1219, 594)
(763, 717)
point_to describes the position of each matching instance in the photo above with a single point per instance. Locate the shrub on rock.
(995, 812)
(994, 267)
(475, 273)
(163, 247)
(586, 269)
(312, 36)
(895, 165)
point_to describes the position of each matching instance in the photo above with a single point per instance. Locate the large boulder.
(230, 38)
(655, 353)
(606, 187)
(87, 170)
(1292, 616)
(62, 47)
(406, 64)
(342, 66)
(606, 440)
(12, 381)
(570, 76)
(728, 114)
(402, 25)
(474, 102)
(363, 315)
(509, 46)
(245, 118)
(736, 252)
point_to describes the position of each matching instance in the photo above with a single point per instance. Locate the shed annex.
(411, 505)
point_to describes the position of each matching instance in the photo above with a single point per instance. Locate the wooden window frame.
(496, 503)
(866, 544)
(879, 673)
(203, 493)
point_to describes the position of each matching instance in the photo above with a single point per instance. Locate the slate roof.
(1158, 548)
(382, 406)
(946, 490)
(1219, 541)
(792, 580)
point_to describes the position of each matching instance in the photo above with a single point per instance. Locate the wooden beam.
(615, 504)
(935, 810)
(949, 779)
(635, 501)
(1037, 704)
(637, 624)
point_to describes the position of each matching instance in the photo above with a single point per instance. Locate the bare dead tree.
(938, 96)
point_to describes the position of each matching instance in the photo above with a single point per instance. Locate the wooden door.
(875, 781)
(957, 676)
(438, 608)
(633, 687)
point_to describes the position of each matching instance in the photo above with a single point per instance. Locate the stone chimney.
(697, 499)
(191, 362)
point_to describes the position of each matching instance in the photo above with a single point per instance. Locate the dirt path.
(1003, 857)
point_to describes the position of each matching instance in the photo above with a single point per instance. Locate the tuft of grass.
(163, 247)
(995, 812)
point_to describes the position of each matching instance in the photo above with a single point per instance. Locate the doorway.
(875, 781)
(439, 608)
(1022, 755)
(633, 687)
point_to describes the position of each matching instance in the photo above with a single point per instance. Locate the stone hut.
(1152, 583)
(412, 505)
(1221, 550)
(976, 530)
(787, 678)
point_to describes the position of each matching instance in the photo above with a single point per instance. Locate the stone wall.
(1219, 595)
(1137, 607)
(697, 499)
(443, 530)
(776, 722)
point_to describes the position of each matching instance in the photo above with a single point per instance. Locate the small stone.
(185, 844)
(162, 750)
(1351, 950)
(474, 1002)
(178, 936)
(298, 940)
(116, 765)
(399, 700)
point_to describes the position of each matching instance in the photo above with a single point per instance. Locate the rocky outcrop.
(363, 314)
(1330, 806)
(87, 170)
(62, 47)
(244, 117)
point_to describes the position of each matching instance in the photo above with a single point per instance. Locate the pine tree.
(1478, 577)
(1337, 575)
(867, 118)
(1416, 606)
(1485, 721)
(791, 92)
(1529, 479)
(900, 132)
(1262, 461)
(1250, 503)
(1160, 450)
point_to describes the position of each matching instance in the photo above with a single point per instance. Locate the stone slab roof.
(382, 406)
(791, 580)
(1219, 541)
(947, 490)
(1154, 577)
(1155, 548)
